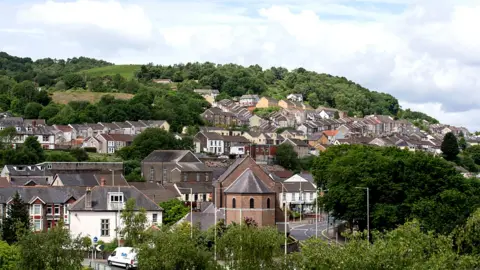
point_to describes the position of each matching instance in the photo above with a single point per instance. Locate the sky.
(426, 53)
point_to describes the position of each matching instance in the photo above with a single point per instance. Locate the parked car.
(125, 257)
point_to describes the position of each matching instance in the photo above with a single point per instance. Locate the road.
(303, 232)
(100, 265)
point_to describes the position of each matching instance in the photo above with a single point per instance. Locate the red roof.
(330, 133)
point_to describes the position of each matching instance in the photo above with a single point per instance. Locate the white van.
(123, 256)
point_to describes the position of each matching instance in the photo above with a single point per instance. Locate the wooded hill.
(232, 80)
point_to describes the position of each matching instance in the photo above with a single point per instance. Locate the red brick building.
(245, 190)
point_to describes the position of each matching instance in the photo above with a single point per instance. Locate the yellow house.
(255, 137)
(267, 102)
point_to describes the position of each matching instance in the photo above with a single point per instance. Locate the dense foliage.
(17, 221)
(403, 185)
(134, 222)
(407, 247)
(450, 147)
(287, 157)
(173, 211)
(318, 89)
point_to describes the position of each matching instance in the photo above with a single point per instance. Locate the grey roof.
(22, 181)
(47, 194)
(297, 186)
(217, 172)
(122, 124)
(165, 155)
(78, 179)
(156, 191)
(248, 183)
(136, 124)
(109, 125)
(206, 218)
(200, 187)
(297, 142)
(118, 177)
(230, 169)
(193, 167)
(239, 139)
(100, 199)
(27, 170)
(212, 136)
(308, 177)
(95, 126)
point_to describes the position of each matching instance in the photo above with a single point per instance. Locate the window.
(187, 197)
(196, 197)
(37, 225)
(56, 210)
(116, 198)
(152, 173)
(111, 150)
(206, 177)
(268, 203)
(184, 177)
(154, 218)
(198, 177)
(252, 203)
(45, 138)
(49, 166)
(105, 227)
(49, 209)
(234, 203)
(36, 209)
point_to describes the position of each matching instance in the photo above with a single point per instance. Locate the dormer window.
(29, 128)
(18, 128)
(20, 168)
(115, 200)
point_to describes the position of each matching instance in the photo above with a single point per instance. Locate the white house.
(97, 213)
(295, 97)
(299, 193)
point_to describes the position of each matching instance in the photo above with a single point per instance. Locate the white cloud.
(423, 52)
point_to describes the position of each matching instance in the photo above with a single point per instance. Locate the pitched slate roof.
(27, 170)
(47, 194)
(230, 169)
(156, 192)
(200, 187)
(165, 155)
(239, 139)
(248, 183)
(100, 199)
(21, 181)
(212, 136)
(78, 180)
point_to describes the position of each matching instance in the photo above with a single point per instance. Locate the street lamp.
(113, 184)
(284, 196)
(191, 210)
(215, 223)
(368, 210)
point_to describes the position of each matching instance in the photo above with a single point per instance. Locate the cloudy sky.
(424, 52)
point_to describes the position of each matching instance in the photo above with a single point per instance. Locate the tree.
(407, 247)
(59, 156)
(403, 185)
(17, 222)
(336, 115)
(55, 249)
(462, 143)
(134, 224)
(7, 136)
(49, 111)
(173, 211)
(250, 247)
(467, 238)
(73, 81)
(474, 152)
(79, 154)
(449, 146)
(32, 145)
(173, 248)
(287, 157)
(32, 110)
(9, 256)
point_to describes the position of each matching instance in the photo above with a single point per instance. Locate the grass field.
(92, 97)
(97, 157)
(126, 71)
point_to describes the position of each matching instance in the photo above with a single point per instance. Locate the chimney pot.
(88, 199)
(102, 182)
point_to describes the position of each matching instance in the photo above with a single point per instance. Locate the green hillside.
(126, 71)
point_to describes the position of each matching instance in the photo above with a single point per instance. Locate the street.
(100, 265)
(303, 232)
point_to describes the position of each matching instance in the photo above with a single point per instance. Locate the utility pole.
(368, 210)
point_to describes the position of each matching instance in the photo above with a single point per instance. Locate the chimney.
(88, 199)
(34, 123)
(102, 182)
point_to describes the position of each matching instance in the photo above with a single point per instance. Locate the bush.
(80, 154)
(90, 149)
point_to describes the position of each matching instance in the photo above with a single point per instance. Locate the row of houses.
(106, 137)
(88, 198)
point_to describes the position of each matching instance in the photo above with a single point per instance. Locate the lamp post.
(215, 223)
(284, 198)
(191, 210)
(113, 184)
(368, 210)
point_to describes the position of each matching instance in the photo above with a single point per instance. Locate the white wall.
(88, 223)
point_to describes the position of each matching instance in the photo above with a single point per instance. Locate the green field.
(65, 97)
(126, 71)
